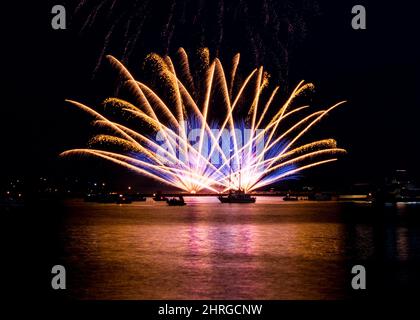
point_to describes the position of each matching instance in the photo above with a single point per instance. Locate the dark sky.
(376, 70)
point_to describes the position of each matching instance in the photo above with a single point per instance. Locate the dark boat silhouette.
(238, 196)
(288, 197)
(176, 201)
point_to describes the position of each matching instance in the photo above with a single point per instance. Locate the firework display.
(187, 148)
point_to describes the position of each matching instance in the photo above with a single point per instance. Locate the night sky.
(376, 70)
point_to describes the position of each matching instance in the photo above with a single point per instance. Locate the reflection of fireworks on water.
(166, 153)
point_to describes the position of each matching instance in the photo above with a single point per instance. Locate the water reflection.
(207, 250)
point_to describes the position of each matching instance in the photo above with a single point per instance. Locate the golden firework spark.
(185, 149)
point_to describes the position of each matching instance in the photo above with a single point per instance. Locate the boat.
(288, 197)
(176, 201)
(238, 196)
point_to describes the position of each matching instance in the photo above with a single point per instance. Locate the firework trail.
(181, 144)
(269, 30)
